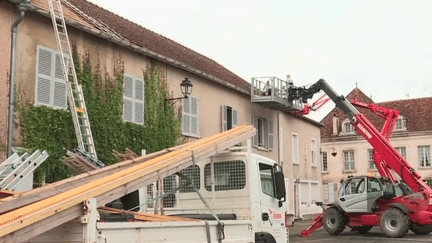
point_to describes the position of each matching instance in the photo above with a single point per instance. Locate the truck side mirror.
(280, 185)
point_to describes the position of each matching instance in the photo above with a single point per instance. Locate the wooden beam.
(28, 197)
(28, 215)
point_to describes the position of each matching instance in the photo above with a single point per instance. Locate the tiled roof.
(161, 45)
(417, 112)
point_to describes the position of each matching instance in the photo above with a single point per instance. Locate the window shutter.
(190, 116)
(128, 87)
(43, 86)
(127, 110)
(60, 91)
(186, 116)
(194, 116)
(43, 91)
(270, 135)
(139, 113)
(51, 87)
(234, 118)
(60, 86)
(224, 118)
(127, 99)
(139, 101)
(58, 68)
(255, 123)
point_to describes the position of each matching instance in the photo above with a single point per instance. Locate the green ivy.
(48, 129)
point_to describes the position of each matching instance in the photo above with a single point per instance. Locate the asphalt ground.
(348, 236)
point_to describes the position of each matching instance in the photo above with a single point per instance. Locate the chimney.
(335, 125)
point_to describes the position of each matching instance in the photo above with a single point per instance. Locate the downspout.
(22, 7)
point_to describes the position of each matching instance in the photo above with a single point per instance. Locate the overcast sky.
(384, 46)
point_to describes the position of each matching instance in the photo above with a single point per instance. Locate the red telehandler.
(397, 201)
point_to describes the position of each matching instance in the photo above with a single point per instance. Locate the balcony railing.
(273, 92)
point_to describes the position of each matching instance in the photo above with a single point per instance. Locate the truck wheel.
(363, 229)
(394, 223)
(421, 229)
(334, 221)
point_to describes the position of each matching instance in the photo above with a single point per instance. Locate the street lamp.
(186, 89)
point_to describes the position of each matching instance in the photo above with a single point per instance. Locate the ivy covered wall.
(48, 129)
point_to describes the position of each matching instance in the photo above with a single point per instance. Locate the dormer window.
(347, 127)
(400, 123)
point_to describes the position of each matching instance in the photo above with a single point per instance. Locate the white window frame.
(190, 116)
(349, 159)
(402, 151)
(372, 165)
(133, 99)
(351, 129)
(263, 138)
(313, 152)
(234, 121)
(324, 161)
(295, 148)
(400, 124)
(53, 79)
(424, 153)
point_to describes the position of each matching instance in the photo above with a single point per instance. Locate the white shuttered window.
(295, 148)
(190, 116)
(229, 118)
(51, 87)
(264, 136)
(133, 100)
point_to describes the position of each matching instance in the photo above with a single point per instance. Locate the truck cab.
(359, 194)
(237, 186)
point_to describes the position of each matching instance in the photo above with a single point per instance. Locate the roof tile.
(152, 41)
(417, 112)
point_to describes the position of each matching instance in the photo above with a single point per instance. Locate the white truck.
(245, 191)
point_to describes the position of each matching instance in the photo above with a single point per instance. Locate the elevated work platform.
(37, 211)
(273, 92)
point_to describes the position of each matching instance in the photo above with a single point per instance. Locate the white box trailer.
(246, 192)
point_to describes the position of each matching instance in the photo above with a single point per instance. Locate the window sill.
(296, 163)
(425, 167)
(349, 171)
(191, 135)
(261, 148)
(324, 172)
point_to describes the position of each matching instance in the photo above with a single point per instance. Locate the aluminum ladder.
(16, 169)
(75, 94)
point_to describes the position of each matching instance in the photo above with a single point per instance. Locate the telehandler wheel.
(421, 229)
(394, 223)
(334, 221)
(363, 229)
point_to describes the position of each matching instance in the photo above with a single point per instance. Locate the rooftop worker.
(267, 88)
(289, 80)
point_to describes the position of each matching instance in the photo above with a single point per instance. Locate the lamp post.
(186, 89)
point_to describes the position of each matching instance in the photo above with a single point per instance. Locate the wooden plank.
(145, 216)
(43, 226)
(35, 212)
(25, 198)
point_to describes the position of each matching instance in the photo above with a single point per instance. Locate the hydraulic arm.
(388, 154)
(385, 211)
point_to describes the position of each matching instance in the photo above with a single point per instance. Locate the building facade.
(220, 99)
(345, 153)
